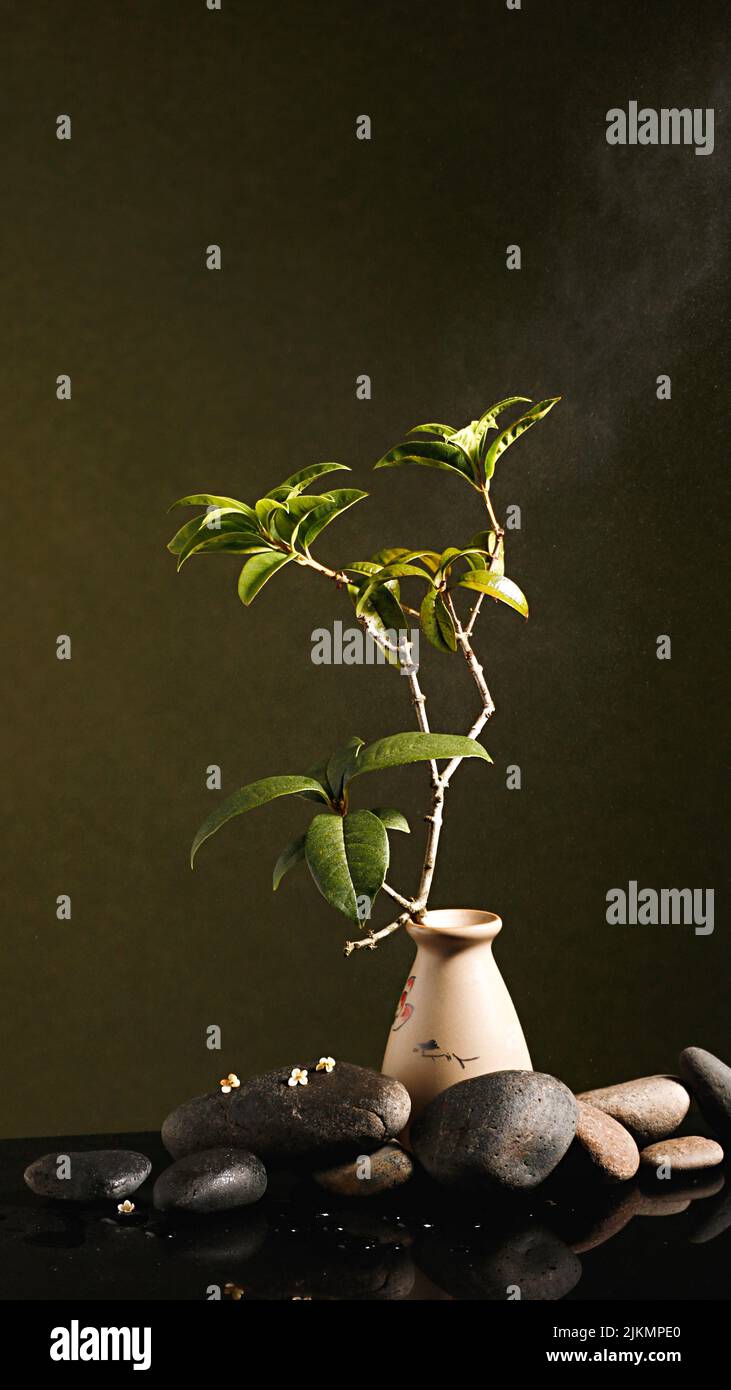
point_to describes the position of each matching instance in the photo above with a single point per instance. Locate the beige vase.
(455, 1018)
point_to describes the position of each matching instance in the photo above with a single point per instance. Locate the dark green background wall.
(342, 257)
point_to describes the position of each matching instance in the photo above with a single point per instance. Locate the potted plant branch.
(454, 994)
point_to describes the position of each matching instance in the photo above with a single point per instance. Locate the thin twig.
(477, 674)
(474, 614)
(488, 504)
(370, 942)
(398, 897)
(436, 818)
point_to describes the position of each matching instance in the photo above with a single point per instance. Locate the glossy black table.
(649, 1241)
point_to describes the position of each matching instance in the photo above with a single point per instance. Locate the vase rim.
(458, 923)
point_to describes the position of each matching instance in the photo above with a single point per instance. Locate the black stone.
(214, 1180)
(508, 1129)
(710, 1082)
(95, 1175)
(349, 1110)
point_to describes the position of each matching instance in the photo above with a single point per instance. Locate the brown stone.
(691, 1154)
(388, 1167)
(609, 1147)
(650, 1107)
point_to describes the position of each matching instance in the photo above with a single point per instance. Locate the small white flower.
(229, 1083)
(325, 1064)
(124, 1208)
(298, 1077)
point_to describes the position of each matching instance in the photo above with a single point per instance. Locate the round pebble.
(691, 1154)
(651, 1107)
(609, 1147)
(506, 1129)
(92, 1175)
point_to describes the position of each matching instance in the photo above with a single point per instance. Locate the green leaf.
(489, 415)
(319, 774)
(393, 820)
(230, 543)
(281, 525)
(446, 556)
(285, 523)
(291, 855)
(348, 859)
(388, 554)
(400, 749)
(385, 604)
(294, 484)
(211, 526)
(396, 553)
(247, 799)
(514, 431)
(257, 571)
(337, 501)
(379, 604)
(265, 509)
(377, 625)
(487, 541)
(181, 537)
(476, 557)
(401, 570)
(364, 567)
(371, 587)
(431, 454)
(443, 430)
(496, 586)
(470, 440)
(430, 558)
(210, 499)
(340, 764)
(436, 622)
(484, 540)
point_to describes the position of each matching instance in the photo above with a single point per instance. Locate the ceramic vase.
(455, 1018)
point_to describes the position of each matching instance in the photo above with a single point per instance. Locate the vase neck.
(454, 929)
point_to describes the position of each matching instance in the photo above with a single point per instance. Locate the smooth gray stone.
(95, 1175)
(214, 1180)
(507, 1129)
